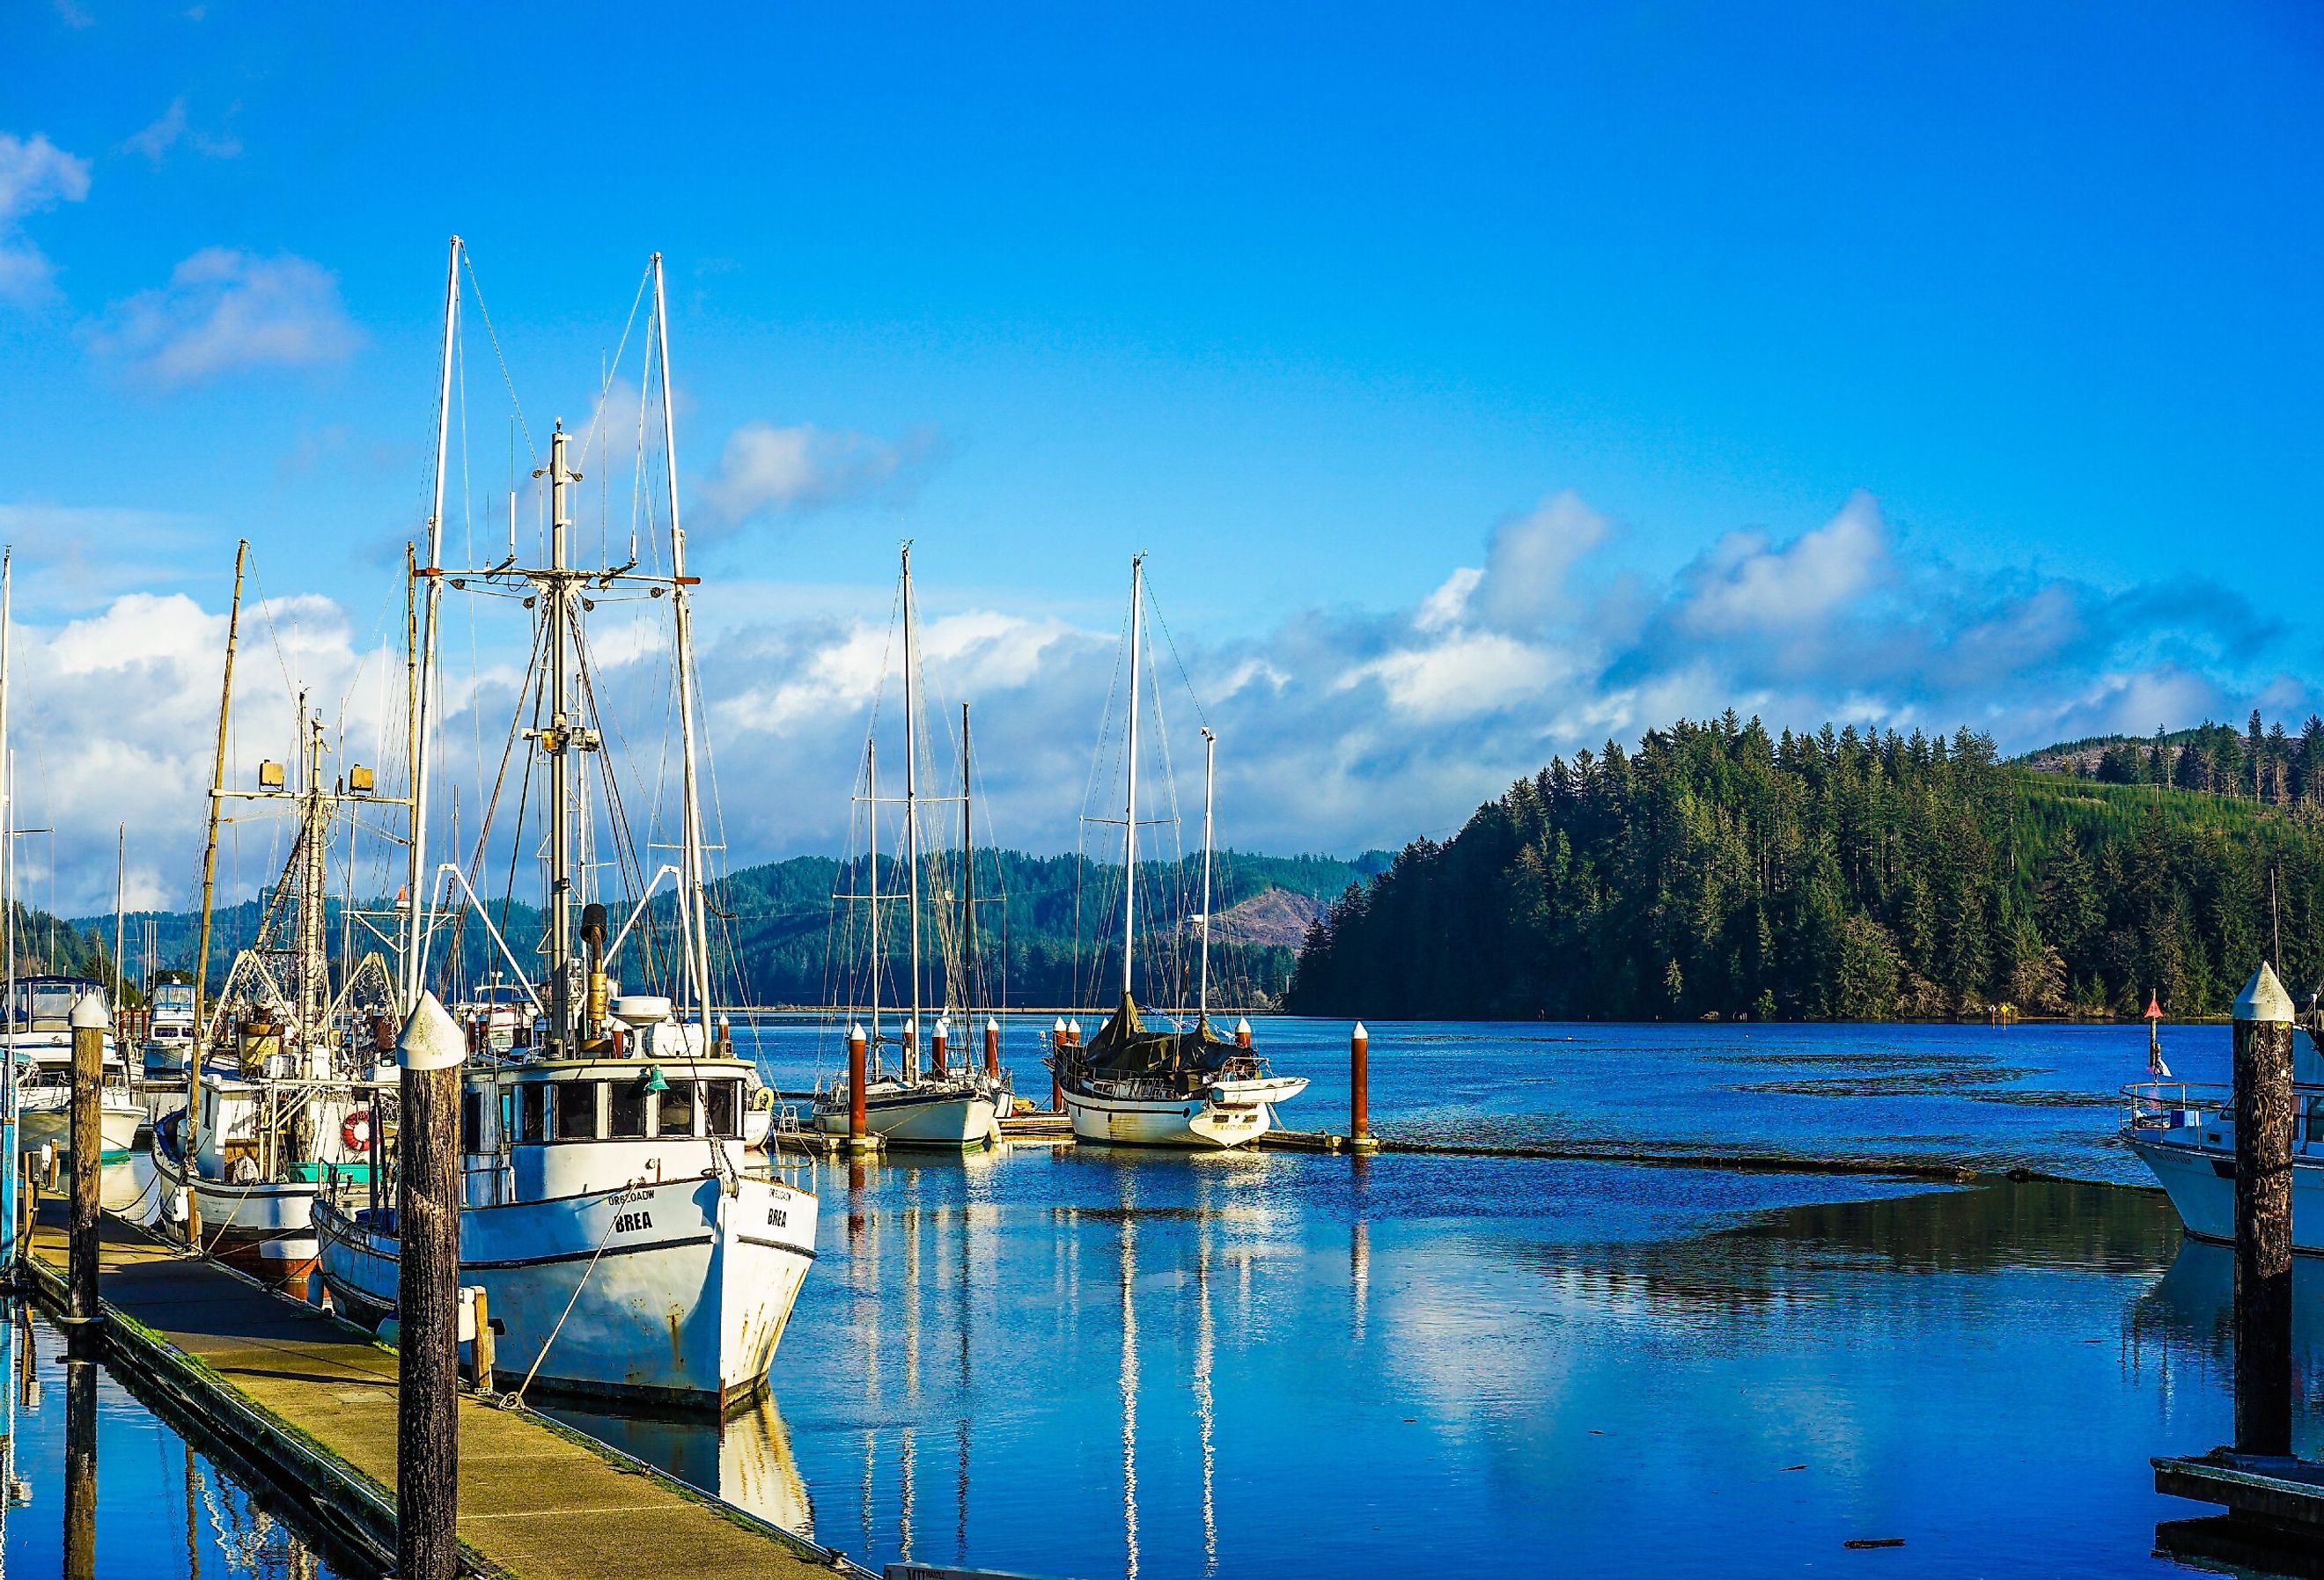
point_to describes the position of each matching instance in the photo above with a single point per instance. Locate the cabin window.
(629, 1109)
(2315, 1119)
(577, 1110)
(532, 1112)
(723, 1100)
(508, 1116)
(471, 1120)
(677, 1117)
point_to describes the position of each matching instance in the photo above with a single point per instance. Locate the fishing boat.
(285, 1104)
(2185, 1131)
(1174, 1085)
(624, 1252)
(907, 1103)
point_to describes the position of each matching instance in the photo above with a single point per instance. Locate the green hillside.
(1719, 871)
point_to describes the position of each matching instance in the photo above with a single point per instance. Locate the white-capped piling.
(2264, 1143)
(859, 1124)
(89, 1020)
(432, 1051)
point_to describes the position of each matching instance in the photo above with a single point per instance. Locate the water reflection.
(75, 1433)
(746, 1459)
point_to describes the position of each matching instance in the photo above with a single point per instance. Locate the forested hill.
(1719, 870)
(1047, 925)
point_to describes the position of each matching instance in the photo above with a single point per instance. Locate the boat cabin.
(539, 1131)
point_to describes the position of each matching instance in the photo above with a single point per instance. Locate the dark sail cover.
(1125, 1050)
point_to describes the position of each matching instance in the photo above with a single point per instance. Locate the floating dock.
(312, 1402)
(2275, 1503)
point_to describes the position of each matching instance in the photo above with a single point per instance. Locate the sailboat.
(285, 1106)
(907, 1104)
(624, 1250)
(1139, 1085)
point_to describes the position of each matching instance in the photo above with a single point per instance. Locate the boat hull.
(265, 1230)
(955, 1120)
(118, 1124)
(2200, 1182)
(1192, 1124)
(673, 1294)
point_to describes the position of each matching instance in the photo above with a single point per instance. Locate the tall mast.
(433, 571)
(1209, 765)
(871, 799)
(911, 822)
(682, 615)
(405, 935)
(209, 891)
(120, 865)
(967, 879)
(314, 884)
(558, 589)
(1129, 799)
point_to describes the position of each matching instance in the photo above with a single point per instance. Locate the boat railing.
(2175, 1104)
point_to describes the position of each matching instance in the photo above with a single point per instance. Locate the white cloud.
(1745, 583)
(765, 469)
(34, 174)
(155, 140)
(224, 311)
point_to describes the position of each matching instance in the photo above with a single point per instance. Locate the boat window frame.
(595, 1097)
(616, 1092)
(532, 1112)
(693, 1130)
(710, 1102)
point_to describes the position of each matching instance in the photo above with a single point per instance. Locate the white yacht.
(1183, 1086)
(170, 1033)
(625, 1253)
(39, 1029)
(2185, 1132)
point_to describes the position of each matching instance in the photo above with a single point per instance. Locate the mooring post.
(992, 1048)
(1359, 1104)
(942, 1035)
(2263, 1142)
(858, 1124)
(1056, 1061)
(80, 1469)
(1242, 1031)
(428, 1296)
(481, 1347)
(89, 1020)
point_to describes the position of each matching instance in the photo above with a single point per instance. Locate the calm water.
(163, 1510)
(1077, 1363)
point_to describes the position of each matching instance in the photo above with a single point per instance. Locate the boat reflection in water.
(745, 1459)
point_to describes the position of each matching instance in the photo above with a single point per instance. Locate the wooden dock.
(2274, 1505)
(314, 1398)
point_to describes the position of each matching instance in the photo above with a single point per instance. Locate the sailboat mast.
(911, 820)
(415, 886)
(209, 890)
(682, 616)
(871, 799)
(314, 881)
(557, 740)
(1210, 766)
(1130, 798)
(120, 868)
(967, 879)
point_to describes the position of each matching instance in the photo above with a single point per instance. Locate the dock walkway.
(315, 1398)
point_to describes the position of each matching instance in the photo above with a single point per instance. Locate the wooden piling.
(428, 1296)
(2264, 1143)
(1056, 1062)
(992, 1048)
(1360, 1108)
(89, 1020)
(481, 1347)
(859, 1124)
(936, 1044)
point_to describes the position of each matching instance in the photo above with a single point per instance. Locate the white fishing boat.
(1180, 1085)
(2185, 1132)
(907, 1104)
(624, 1252)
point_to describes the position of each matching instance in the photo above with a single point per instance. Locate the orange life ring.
(354, 1131)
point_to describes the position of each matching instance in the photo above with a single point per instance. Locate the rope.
(516, 1400)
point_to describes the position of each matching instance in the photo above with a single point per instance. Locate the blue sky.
(1919, 364)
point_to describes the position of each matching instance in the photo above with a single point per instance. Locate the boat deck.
(315, 1399)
